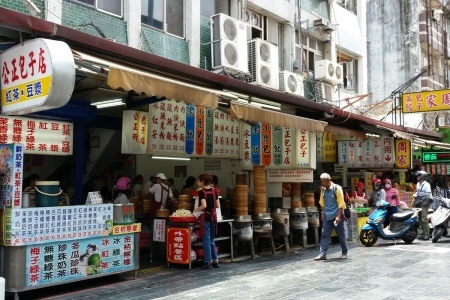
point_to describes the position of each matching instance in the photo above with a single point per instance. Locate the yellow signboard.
(426, 101)
(123, 229)
(402, 154)
(330, 151)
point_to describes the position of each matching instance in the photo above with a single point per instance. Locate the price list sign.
(178, 245)
(30, 226)
(71, 260)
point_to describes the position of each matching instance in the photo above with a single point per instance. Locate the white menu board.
(374, 153)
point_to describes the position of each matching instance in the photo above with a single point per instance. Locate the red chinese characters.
(22, 66)
(178, 245)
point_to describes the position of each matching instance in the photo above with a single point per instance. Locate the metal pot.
(280, 222)
(298, 218)
(243, 230)
(262, 226)
(313, 216)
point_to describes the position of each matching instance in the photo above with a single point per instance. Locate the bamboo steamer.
(162, 213)
(296, 190)
(241, 179)
(185, 198)
(241, 193)
(185, 205)
(309, 199)
(146, 206)
(296, 203)
(260, 204)
(186, 192)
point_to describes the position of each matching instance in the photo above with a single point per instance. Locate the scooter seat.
(401, 216)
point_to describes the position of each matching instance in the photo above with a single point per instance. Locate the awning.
(256, 115)
(429, 143)
(153, 85)
(347, 132)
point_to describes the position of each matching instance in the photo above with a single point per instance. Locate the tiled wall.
(74, 14)
(159, 43)
(205, 39)
(18, 5)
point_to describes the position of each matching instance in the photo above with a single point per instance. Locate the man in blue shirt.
(332, 216)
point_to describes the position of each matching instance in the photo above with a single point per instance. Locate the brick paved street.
(385, 271)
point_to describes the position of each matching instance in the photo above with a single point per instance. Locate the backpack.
(213, 213)
(346, 210)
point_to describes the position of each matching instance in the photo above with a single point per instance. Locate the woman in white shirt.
(123, 191)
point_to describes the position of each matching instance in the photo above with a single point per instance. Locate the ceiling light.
(108, 103)
(170, 157)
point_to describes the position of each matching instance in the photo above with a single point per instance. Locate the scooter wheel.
(368, 238)
(437, 234)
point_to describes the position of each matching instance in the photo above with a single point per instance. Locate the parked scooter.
(441, 219)
(403, 226)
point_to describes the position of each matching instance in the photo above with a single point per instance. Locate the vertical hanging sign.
(209, 131)
(11, 167)
(288, 148)
(266, 144)
(402, 154)
(190, 128)
(277, 142)
(303, 149)
(256, 144)
(134, 132)
(200, 130)
(320, 140)
(246, 163)
(329, 147)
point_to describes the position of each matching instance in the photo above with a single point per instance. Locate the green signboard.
(436, 157)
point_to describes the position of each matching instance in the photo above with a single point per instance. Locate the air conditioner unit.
(263, 63)
(253, 18)
(329, 71)
(441, 122)
(329, 92)
(326, 26)
(229, 44)
(292, 83)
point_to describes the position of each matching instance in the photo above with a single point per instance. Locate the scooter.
(403, 226)
(440, 219)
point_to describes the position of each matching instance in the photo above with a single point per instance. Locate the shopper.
(378, 193)
(170, 184)
(209, 201)
(358, 197)
(29, 184)
(162, 194)
(149, 184)
(189, 184)
(332, 204)
(423, 199)
(122, 193)
(393, 198)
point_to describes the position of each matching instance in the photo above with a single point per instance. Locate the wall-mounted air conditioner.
(292, 83)
(229, 44)
(329, 71)
(263, 63)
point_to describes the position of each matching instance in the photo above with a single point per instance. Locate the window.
(308, 51)
(113, 7)
(209, 8)
(166, 15)
(349, 5)
(350, 68)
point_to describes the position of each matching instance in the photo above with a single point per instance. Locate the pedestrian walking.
(423, 199)
(332, 216)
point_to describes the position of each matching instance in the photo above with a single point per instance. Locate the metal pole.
(79, 162)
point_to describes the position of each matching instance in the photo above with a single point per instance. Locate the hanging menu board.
(181, 130)
(11, 166)
(373, 153)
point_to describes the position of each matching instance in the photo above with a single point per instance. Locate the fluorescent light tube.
(170, 157)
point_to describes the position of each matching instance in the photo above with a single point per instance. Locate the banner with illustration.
(63, 261)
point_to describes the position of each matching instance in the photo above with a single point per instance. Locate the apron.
(157, 205)
(359, 198)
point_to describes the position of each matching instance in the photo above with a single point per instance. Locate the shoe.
(419, 237)
(425, 238)
(216, 265)
(320, 257)
(343, 256)
(207, 266)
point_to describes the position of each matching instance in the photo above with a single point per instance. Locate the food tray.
(183, 219)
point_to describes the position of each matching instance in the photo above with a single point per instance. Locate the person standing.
(209, 201)
(393, 199)
(162, 194)
(149, 184)
(122, 193)
(170, 184)
(332, 216)
(358, 197)
(423, 199)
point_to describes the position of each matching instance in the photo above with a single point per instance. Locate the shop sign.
(182, 130)
(443, 170)
(212, 164)
(433, 169)
(289, 175)
(402, 176)
(246, 163)
(11, 167)
(326, 147)
(402, 154)
(277, 142)
(426, 101)
(159, 230)
(36, 75)
(178, 245)
(448, 169)
(436, 157)
(303, 149)
(266, 144)
(39, 225)
(63, 261)
(255, 144)
(134, 132)
(373, 153)
(39, 136)
(124, 229)
(428, 169)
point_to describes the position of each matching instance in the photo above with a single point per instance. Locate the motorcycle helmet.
(422, 175)
(376, 183)
(122, 183)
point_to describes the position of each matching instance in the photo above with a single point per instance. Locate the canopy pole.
(79, 162)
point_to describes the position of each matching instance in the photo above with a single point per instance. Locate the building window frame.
(96, 6)
(165, 30)
(350, 69)
(350, 5)
(312, 50)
